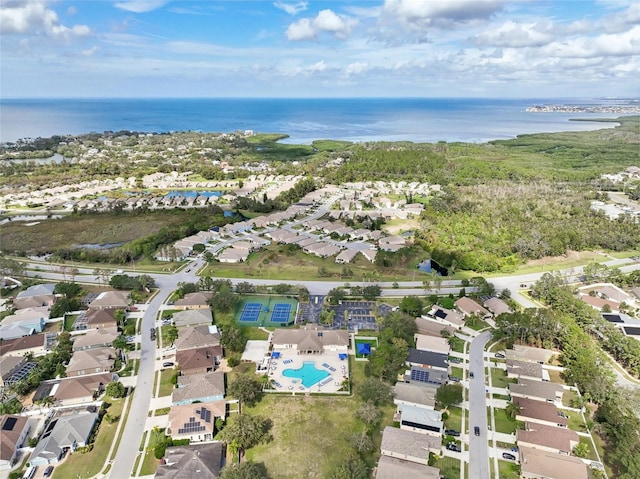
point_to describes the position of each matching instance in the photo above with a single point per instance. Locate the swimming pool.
(308, 374)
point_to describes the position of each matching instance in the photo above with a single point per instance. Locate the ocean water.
(304, 120)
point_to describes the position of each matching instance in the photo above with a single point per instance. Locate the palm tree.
(512, 410)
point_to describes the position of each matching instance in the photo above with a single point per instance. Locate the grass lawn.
(591, 454)
(449, 467)
(601, 447)
(69, 319)
(499, 378)
(150, 463)
(575, 421)
(503, 422)
(256, 334)
(508, 470)
(311, 435)
(167, 381)
(456, 372)
(454, 421)
(477, 324)
(555, 377)
(568, 397)
(80, 465)
(457, 344)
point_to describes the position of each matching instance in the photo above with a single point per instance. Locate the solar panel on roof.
(205, 414)
(441, 314)
(9, 424)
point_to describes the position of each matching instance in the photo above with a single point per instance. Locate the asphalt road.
(478, 447)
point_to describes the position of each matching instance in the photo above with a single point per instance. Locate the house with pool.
(310, 359)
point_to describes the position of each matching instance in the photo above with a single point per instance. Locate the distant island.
(618, 109)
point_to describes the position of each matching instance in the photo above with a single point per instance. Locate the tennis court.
(271, 311)
(250, 312)
(281, 313)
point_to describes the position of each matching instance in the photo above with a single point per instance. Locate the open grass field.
(311, 435)
(89, 464)
(53, 234)
(278, 262)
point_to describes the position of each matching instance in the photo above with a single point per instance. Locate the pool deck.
(329, 361)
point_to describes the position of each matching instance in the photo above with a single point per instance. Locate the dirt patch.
(571, 255)
(400, 227)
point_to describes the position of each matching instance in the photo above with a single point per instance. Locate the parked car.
(455, 360)
(454, 447)
(500, 355)
(452, 432)
(454, 379)
(506, 455)
(167, 364)
(471, 374)
(476, 430)
(48, 471)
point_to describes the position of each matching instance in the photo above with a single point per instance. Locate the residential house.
(539, 412)
(191, 337)
(65, 433)
(80, 389)
(34, 301)
(526, 369)
(24, 322)
(96, 319)
(424, 377)
(233, 255)
(90, 361)
(539, 464)
(432, 327)
(192, 317)
(558, 440)
(391, 243)
(428, 359)
(197, 300)
(600, 304)
(369, 254)
(446, 316)
(497, 306)
(203, 461)
(469, 307)
(199, 360)
(36, 345)
(538, 390)
(392, 468)
(409, 445)
(111, 300)
(346, 256)
(406, 394)
(421, 420)
(203, 388)
(46, 289)
(310, 340)
(13, 369)
(195, 422)
(437, 344)
(95, 338)
(528, 353)
(13, 432)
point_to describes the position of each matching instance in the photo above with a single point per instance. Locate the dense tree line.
(388, 358)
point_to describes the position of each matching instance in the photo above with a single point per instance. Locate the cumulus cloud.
(605, 45)
(140, 6)
(355, 68)
(326, 21)
(291, 8)
(517, 35)
(442, 12)
(36, 18)
(317, 67)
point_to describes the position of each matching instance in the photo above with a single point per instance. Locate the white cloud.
(36, 18)
(90, 51)
(605, 45)
(442, 12)
(291, 8)
(516, 35)
(140, 6)
(326, 21)
(355, 68)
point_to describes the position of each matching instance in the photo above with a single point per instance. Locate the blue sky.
(386, 48)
